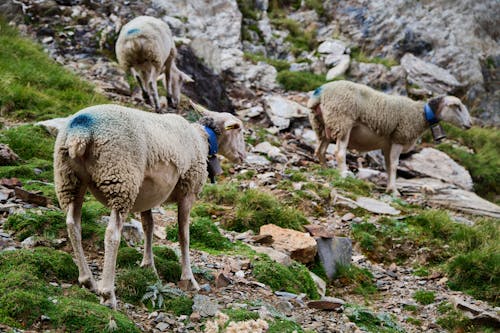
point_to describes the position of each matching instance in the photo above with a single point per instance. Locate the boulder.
(301, 246)
(320, 284)
(428, 76)
(333, 252)
(376, 206)
(205, 306)
(332, 46)
(340, 68)
(281, 111)
(430, 162)
(275, 255)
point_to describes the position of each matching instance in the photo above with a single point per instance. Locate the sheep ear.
(231, 124)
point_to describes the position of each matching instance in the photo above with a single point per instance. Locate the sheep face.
(177, 80)
(231, 140)
(451, 110)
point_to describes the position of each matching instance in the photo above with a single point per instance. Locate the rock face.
(433, 163)
(333, 252)
(300, 245)
(281, 111)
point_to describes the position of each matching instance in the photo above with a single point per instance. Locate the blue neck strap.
(429, 115)
(213, 146)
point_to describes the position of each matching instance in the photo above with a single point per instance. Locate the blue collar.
(429, 115)
(213, 146)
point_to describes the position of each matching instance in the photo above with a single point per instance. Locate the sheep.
(146, 48)
(358, 117)
(132, 161)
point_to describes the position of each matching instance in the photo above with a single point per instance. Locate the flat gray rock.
(375, 206)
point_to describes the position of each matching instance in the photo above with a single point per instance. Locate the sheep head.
(177, 80)
(451, 110)
(229, 130)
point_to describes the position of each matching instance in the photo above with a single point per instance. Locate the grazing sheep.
(145, 46)
(132, 161)
(358, 117)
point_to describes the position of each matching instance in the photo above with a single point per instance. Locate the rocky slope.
(429, 48)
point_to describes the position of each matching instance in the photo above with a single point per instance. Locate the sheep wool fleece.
(117, 144)
(344, 103)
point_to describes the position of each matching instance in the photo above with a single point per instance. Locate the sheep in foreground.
(358, 117)
(132, 161)
(146, 48)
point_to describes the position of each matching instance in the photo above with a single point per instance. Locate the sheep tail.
(79, 135)
(315, 98)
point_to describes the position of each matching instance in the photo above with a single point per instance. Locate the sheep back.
(144, 39)
(115, 145)
(344, 103)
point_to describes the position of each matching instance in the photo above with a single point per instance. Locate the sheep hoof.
(149, 265)
(188, 284)
(108, 298)
(88, 282)
(393, 192)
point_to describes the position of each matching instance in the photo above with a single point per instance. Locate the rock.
(205, 306)
(340, 68)
(376, 206)
(300, 245)
(252, 112)
(5, 194)
(281, 110)
(320, 284)
(10, 182)
(300, 67)
(316, 230)
(428, 76)
(275, 255)
(258, 160)
(333, 252)
(449, 196)
(132, 232)
(159, 232)
(479, 316)
(284, 306)
(7, 155)
(32, 197)
(326, 303)
(433, 163)
(195, 317)
(332, 47)
(263, 239)
(162, 326)
(53, 125)
(222, 280)
(29, 242)
(265, 148)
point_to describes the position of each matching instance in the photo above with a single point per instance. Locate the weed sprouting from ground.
(424, 297)
(359, 279)
(300, 81)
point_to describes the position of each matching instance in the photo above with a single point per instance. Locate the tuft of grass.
(280, 65)
(284, 326)
(372, 322)
(131, 283)
(300, 81)
(127, 257)
(255, 209)
(360, 56)
(241, 315)
(424, 297)
(35, 87)
(179, 306)
(295, 279)
(223, 194)
(484, 163)
(203, 234)
(360, 279)
(301, 40)
(31, 223)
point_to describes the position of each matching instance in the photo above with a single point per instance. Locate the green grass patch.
(179, 306)
(484, 163)
(360, 56)
(295, 279)
(300, 81)
(221, 194)
(131, 283)
(372, 322)
(284, 326)
(35, 87)
(359, 279)
(203, 234)
(454, 320)
(280, 65)
(301, 40)
(241, 315)
(470, 255)
(424, 297)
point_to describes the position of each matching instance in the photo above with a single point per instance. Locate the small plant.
(204, 234)
(414, 321)
(131, 283)
(300, 81)
(157, 293)
(359, 278)
(424, 297)
(280, 65)
(127, 257)
(372, 322)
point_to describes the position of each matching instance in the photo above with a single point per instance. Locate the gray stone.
(132, 232)
(340, 68)
(162, 326)
(320, 284)
(265, 148)
(281, 110)
(275, 255)
(376, 206)
(300, 67)
(428, 76)
(332, 47)
(327, 303)
(205, 306)
(433, 163)
(7, 155)
(333, 252)
(254, 159)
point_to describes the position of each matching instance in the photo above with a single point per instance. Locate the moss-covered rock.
(131, 283)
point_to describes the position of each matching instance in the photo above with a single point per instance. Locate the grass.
(33, 86)
(424, 297)
(300, 81)
(132, 283)
(279, 64)
(469, 255)
(484, 163)
(372, 322)
(25, 294)
(360, 280)
(203, 234)
(360, 56)
(454, 320)
(301, 40)
(295, 279)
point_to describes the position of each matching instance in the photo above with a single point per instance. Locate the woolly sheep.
(145, 46)
(132, 161)
(361, 118)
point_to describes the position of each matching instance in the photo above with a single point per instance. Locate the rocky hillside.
(279, 244)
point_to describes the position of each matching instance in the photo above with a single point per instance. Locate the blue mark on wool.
(317, 92)
(82, 120)
(132, 31)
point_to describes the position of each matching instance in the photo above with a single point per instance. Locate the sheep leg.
(184, 208)
(341, 152)
(111, 243)
(145, 94)
(391, 157)
(73, 223)
(147, 224)
(153, 88)
(321, 151)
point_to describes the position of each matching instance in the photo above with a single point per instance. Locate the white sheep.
(358, 117)
(132, 161)
(145, 47)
